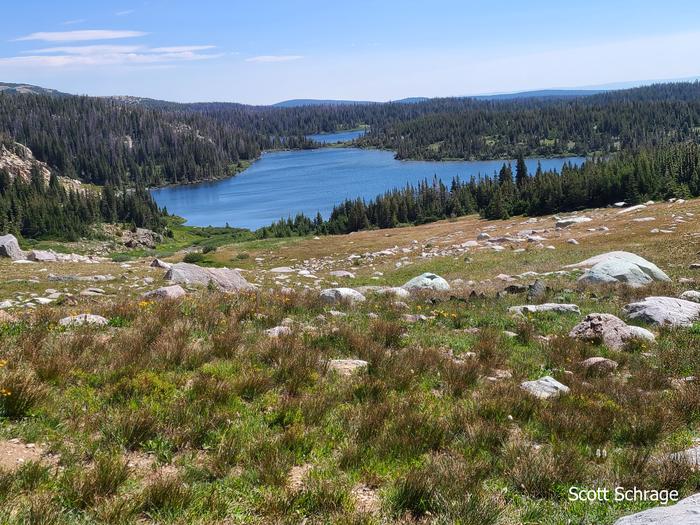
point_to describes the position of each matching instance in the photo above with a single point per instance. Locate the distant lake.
(282, 184)
(334, 138)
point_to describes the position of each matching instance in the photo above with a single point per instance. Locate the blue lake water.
(334, 138)
(282, 184)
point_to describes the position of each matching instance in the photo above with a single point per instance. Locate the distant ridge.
(542, 93)
(300, 102)
(22, 89)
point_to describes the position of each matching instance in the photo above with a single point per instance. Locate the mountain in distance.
(301, 102)
(541, 93)
(21, 89)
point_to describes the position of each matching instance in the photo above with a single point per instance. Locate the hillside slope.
(275, 405)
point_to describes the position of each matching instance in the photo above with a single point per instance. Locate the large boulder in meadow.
(427, 281)
(9, 247)
(620, 267)
(545, 387)
(664, 311)
(223, 278)
(341, 295)
(83, 319)
(685, 512)
(166, 293)
(612, 331)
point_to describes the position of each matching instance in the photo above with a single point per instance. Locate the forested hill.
(601, 123)
(136, 141)
(471, 128)
(104, 141)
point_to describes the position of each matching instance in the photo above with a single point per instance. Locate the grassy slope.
(189, 413)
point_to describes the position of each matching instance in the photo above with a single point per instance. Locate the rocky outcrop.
(545, 387)
(399, 293)
(664, 311)
(612, 331)
(427, 281)
(570, 221)
(546, 307)
(341, 295)
(141, 238)
(42, 256)
(620, 267)
(222, 278)
(685, 512)
(166, 293)
(9, 247)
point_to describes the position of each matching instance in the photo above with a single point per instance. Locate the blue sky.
(266, 51)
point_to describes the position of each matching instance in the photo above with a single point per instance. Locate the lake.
(334, 138)
(282, 184)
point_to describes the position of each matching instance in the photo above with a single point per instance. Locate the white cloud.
(86, 50)
(80, 36)
(180, 49)
(106, 55)
(73, 22)
(125, 12)
(274, 58)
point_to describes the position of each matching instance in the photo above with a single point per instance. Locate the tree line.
(632, 176)
(39, 208)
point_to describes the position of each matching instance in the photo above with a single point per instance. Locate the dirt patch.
(297, 476)
(14, 453)
(366, 499)
(145, 465)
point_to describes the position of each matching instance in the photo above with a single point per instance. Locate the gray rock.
(342, 273)
(483, 236)
(546, 307)
(278, 331)
(689, 456)
(9, 247)
(341, 295)
(612, 331)
(545, 387)
(83, 319)
(536, 290)
(223, 278)
(141, 238)
(616, 271)
(664, 311)
(427, 281)
(346, 367)
(599, 365)
(691, 295)
(569, 221)
(157, 263)
(166, 293)
(685, 512)
(653, 272)
(42, 256)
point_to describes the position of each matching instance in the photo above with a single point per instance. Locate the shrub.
(193, 258)
(165, 494)
(20, 392)
(82, 488)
